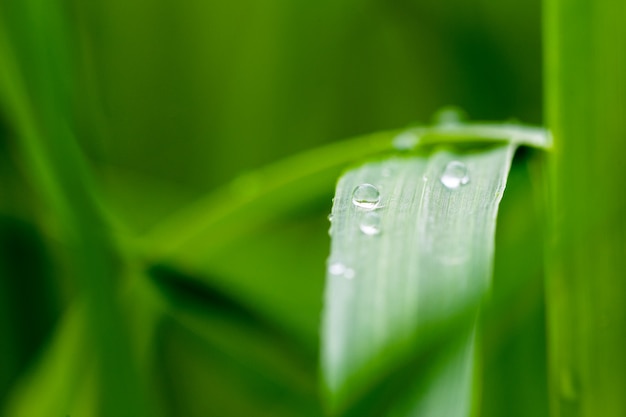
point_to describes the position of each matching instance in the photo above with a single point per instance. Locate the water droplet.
(365, 196)
(340, 270)
(405, 141)
(336, 268)
(455, 175)
(386, 172)
(450, 116)
(330, 229)
(370, 223)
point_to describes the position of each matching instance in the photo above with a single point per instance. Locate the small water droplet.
(450, 116)
(386, 172)
(455, 175)
(424, 178)
(340, 270)
(365, 196)
(330, 219)
(370, 223)
(336, 268)
(405, 141)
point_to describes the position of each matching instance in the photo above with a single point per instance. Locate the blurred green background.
(170, 102)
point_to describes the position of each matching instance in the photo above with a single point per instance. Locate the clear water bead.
(405, 141)
(370, 223)
(336, 268)
(450, 117)
(455, 175)
(365, 196)
(340, 270)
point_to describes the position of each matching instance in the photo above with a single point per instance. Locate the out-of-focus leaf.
(214, 351)
(53, 382)
(513, 348)
(35, 87)
(585, 97)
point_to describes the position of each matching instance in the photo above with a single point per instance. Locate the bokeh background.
(171, 101)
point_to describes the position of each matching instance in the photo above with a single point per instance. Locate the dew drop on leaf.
(340, 270)
(455, 175)
(405, 141)
(336, 268)
(365, 196)
(370, 223)
(450, 116)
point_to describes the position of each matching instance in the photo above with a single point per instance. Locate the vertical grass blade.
(35, 82)
(406, 276)
(585, 67)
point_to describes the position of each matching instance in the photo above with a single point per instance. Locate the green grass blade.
(430, 263)
(585, 67)
(390, 294)
(269, 192)
(256, 197)
(35, 86)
